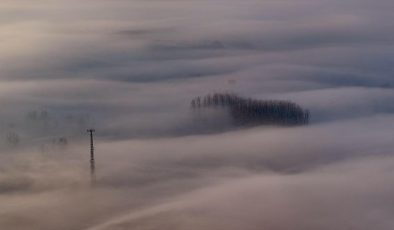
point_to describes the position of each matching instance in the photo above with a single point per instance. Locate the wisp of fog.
(131, 68)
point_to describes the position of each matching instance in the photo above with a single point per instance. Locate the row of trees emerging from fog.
(247, 111)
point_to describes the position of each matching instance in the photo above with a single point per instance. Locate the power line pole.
(92, 163)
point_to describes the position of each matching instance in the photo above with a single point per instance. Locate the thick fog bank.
(129, 69)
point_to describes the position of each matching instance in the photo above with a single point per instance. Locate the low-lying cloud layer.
(130, 68)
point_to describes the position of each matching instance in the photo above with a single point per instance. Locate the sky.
(129, 69)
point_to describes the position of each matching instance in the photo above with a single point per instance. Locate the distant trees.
(44, 123)
(12, 139)
(37, 122)
(54, 145)
(51, 129)
(42, 115)
(247, 111)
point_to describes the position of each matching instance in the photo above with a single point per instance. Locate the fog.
(129, 69)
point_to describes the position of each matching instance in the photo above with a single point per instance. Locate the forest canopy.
(247, 111)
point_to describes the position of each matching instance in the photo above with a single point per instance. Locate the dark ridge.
(247, 111)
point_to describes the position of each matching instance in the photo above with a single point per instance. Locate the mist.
(130, 69)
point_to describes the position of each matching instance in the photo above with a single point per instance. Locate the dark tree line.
(247, 111)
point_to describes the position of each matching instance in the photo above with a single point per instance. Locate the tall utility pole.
(92, 163)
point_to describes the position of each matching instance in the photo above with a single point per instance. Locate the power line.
(92, 162)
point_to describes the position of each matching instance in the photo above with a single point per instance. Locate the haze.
(129, 69)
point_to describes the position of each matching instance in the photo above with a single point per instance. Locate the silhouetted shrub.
(247, 111)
